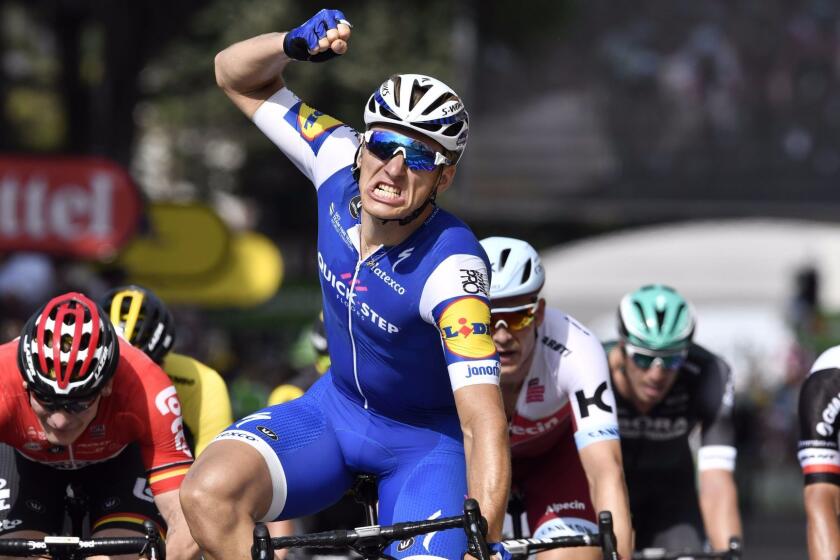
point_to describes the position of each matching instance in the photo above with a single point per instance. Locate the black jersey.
(655, 445)
(819, 420)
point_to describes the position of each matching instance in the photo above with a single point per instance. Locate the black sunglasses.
(70, 406)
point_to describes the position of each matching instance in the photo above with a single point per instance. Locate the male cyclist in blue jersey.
(412, 395)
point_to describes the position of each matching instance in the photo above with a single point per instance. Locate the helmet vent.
(438, 102)
(84, 341)
(680, 310)
(386, 112)
(640, 311)
(93, 363)
(417, 93)
(427, 126)
(526, 272)
(396, 80)
(660, 318)
(454, 129)
(504, 258)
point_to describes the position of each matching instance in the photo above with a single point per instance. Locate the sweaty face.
(62, 427)
(390, 190)
(515, 345)
(649, 385)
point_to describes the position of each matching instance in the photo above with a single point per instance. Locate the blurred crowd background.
(694, 143)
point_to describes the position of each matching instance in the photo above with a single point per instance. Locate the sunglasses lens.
(672, 362)
(384, 145)
(642, 360)
(515, 320)
(668, 361)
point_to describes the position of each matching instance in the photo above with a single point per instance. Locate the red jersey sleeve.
(166, 454)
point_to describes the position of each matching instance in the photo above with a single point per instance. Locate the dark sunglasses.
(69, 406)
(646, 360)
(513, 318)
(385, 144)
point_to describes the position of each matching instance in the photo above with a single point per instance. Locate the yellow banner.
(183, 240)
(251, 275)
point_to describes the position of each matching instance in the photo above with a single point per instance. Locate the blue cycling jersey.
(398, 320)
(407, 327)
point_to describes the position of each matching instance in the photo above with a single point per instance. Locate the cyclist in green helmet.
(665, 385)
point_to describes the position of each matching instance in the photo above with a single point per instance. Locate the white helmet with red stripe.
(68, 349)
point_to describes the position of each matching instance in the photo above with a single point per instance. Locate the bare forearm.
(180, 545)
(179, 542)
(821, 510)
(488, 474)
(253, 64)
(719, 505)
(609, 493)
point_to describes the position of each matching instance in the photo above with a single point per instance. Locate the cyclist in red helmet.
(81, 406)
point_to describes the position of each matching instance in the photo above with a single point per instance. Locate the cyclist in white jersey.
(412, 392)
(557, 393)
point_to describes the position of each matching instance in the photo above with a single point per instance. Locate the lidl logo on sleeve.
(465, 327)
(313, 126)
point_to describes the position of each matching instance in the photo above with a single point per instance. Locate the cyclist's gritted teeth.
(387, 193)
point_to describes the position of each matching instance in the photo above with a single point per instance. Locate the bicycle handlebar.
(377, 537)
(605, 538)
(150, 545)
(733, 552)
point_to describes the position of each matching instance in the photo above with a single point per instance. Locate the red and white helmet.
(423, 104)
(68, 349)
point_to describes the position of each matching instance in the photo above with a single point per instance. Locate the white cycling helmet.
(516, 266)
(423, 104)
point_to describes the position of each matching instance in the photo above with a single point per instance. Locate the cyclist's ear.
(540, 315)
(447, 175)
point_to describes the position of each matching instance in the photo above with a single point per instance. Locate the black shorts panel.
(117, 491)
(32, 494)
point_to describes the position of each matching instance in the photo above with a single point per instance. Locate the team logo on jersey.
(267, 432)
(356, 206)
(313, 126)
(474, 281)
(465, 328)
(535, 391)
(111, 503)
(597, 400)
(401, 257)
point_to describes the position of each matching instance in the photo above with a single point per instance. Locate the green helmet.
(656, 317)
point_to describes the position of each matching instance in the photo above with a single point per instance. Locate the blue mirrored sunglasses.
(385, 144)
(646, 359)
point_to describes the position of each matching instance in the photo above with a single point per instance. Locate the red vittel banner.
(81, 207)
